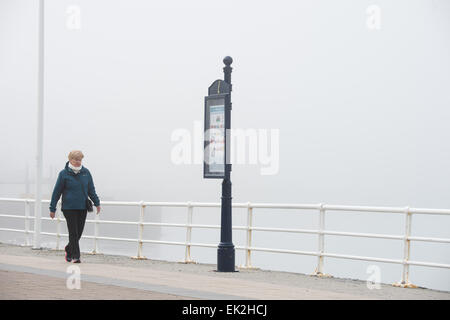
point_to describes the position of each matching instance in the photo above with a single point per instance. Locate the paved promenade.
(42, 274)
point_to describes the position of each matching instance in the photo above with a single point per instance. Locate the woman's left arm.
(92, 194)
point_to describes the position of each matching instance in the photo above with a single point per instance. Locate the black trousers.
(75, 224)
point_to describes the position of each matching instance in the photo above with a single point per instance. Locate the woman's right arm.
(57, 191)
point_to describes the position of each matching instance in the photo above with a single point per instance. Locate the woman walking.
(76, 186)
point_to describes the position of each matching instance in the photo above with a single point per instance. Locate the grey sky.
(363, 114)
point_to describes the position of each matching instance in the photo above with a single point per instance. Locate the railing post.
(406, 252)
(248, 250)
(141, 231)
(321, 245)
(248, 257)
(27, 222)
(187, 255)
(58, 228)
(97, 218)
(95, 250)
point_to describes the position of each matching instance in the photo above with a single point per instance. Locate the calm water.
(383, 223)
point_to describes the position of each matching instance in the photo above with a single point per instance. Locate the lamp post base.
(225, 258)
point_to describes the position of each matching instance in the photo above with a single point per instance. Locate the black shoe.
(76, 261)
(67, 258)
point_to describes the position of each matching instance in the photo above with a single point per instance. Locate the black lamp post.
(217, 144)
(225, 251)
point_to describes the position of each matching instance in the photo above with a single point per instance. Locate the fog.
(362, 112)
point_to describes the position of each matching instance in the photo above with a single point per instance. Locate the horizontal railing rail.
(321, 209)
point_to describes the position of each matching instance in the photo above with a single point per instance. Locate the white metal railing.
(321, 232)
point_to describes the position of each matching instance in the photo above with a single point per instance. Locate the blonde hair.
(76, 154)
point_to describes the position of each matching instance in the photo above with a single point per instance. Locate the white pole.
(40, 129)
(27, 222)
(58, 228)
(187, 255)
(248, 257)
(27, 181)
(407, 248)
(141, 229)
(95, 251)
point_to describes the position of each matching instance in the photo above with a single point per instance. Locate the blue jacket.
(71, 186)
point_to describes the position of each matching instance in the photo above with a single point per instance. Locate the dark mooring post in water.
(216, 164)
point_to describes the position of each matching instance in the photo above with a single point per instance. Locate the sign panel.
(216, 138)
(215, 143)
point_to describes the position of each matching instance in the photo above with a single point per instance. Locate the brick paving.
(27, 286)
